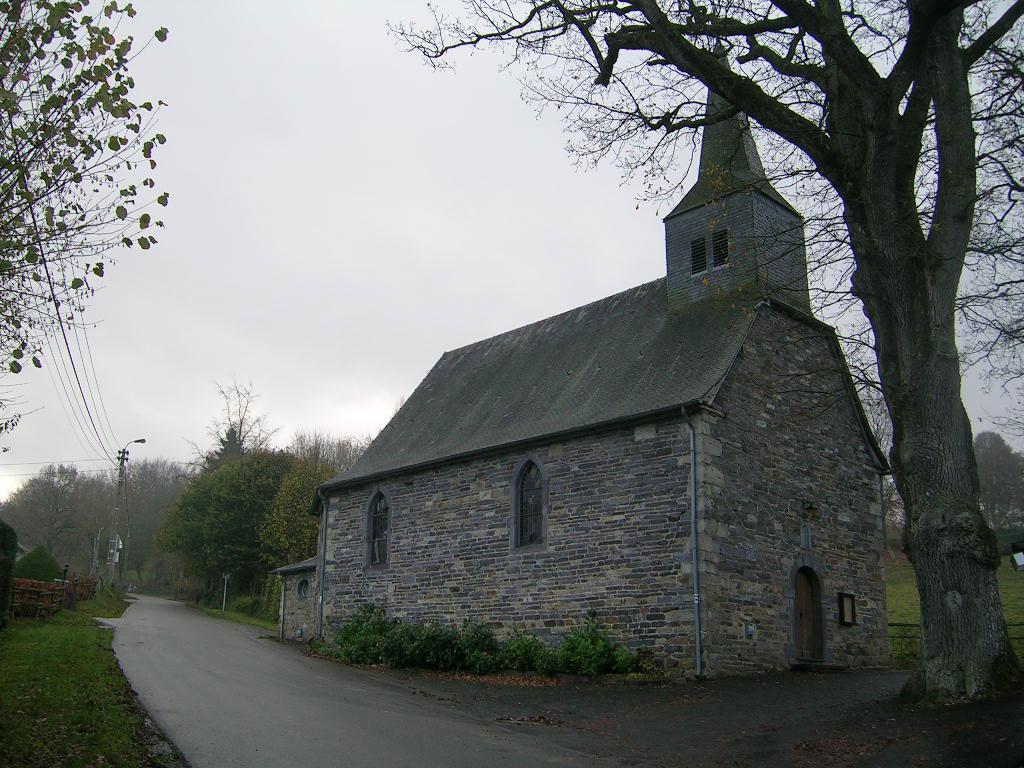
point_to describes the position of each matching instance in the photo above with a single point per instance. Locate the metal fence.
(905, 640)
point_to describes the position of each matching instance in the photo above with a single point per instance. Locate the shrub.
(548, 662)
(587, 650)
(630, 662)
(187, 589)
(522, 652)
(270, 599)
(425, 644)
(250, 606)
(477, 637)
(363, 638)
(369, 637)
(8, 552)
(6, 588)
(8, 541)
(39, 565)
(483, 662)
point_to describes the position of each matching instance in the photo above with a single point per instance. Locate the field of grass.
(902, 599)
(63, 699)
(241, 618)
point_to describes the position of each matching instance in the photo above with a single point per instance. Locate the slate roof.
(614, 359)
(305, 565)
(729, 161)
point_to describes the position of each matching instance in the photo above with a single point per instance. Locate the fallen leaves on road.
(837, 752)
(532, 720)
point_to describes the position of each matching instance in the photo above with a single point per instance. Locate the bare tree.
(889, 109)
(1001, 472)
(239, 430)
(327, 452)
(43, 511)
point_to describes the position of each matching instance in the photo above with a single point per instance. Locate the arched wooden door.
(808, 614)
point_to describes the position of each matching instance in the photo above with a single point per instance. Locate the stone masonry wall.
(785, 403)
(298, 613)
(617, 525)
(766, 252)
(616, 541)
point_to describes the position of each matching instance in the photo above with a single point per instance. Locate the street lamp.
(112, 553)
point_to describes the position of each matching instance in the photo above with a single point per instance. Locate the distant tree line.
(68, 513)
(1001, 478)
(241, 508)
(1001, 489)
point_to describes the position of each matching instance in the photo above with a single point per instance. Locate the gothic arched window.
(529, 506)
(378, 524)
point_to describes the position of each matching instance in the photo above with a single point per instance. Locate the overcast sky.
(340, 216)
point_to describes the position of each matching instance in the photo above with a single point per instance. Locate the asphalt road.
(229, 695)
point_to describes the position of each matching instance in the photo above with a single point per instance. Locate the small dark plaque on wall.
(847, 609)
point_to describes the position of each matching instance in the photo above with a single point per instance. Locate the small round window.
(303, 589)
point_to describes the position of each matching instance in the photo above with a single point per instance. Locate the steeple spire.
(729, 161)
(733, 235)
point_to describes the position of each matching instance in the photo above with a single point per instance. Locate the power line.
(36, 474)
(103, 406)
(67, 403)
(24, 463)
(92, 385)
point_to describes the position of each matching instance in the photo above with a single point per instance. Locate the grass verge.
(241, 618)
(63, 699)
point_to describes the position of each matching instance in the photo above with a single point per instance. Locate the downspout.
(695, 552)
(324, 504)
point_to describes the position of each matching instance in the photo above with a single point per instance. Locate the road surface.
(230, 696)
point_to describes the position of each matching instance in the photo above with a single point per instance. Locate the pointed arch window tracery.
(530, 506)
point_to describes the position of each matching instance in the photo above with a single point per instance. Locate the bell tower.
(733, 235)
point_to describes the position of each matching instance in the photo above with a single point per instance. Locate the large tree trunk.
(908, 282)
(964, 649)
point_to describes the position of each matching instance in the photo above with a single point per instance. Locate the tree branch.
(991, 36)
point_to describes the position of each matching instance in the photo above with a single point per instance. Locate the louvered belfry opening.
(733, 235)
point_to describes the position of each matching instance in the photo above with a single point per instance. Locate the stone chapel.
(687, 458)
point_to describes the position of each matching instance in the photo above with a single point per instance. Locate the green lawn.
(63, 699)
(901, 595)
(241, 618)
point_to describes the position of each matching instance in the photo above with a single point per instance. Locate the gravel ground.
(783, 719)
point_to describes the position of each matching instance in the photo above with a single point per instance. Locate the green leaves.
(77, 149)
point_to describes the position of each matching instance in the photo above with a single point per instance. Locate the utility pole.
(114, 548)
(94, 565)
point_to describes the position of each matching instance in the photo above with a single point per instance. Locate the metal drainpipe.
(695, 550)
(323, 567)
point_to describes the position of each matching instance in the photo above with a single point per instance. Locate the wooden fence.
(39, 599)
(905, 640)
